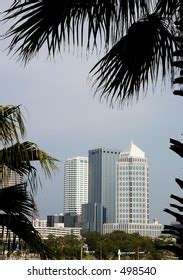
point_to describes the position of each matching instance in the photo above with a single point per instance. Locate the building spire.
(133, 151)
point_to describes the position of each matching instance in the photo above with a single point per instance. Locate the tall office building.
(132, 186)
(101, 189)
(118, 192)
(132, 195)
(75, 184)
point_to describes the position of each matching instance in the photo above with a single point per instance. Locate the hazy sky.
(65, 120)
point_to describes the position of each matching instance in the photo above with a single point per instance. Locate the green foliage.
(11, 124)
(106, 246)
(67, 247)
(92, 239)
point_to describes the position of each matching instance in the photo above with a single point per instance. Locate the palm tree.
(17, 205)
(125, 71)
(119, 25)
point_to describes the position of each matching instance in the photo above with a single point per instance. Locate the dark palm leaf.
(179, 217)
(179, 199)
(16, 203)
(11, 124)
(23, 228)
(16, 199)
(180, 208)
(176, 146)
(18, 158)
(132, 10)
(168, 7)
(179, 182)
(172, 232)
(175, 230)
(174, 227)
(54, 23)
(135, 60)
(43, 21)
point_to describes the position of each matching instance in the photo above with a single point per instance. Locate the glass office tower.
(101, 188)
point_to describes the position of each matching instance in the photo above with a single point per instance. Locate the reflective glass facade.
(102, 184)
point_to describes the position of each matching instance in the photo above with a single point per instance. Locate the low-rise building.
(58, 231)
(152, 230)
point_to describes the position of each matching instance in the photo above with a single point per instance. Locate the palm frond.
(17, 200)
(43, 21)
(179, 182)
(179, 217)
(176, 146)
(19, 156)
(180, 208)
(11, 124)
(23, 228)
(175, 228)
(168, 7)
(135, 60)
(178, 198)
(132, 11)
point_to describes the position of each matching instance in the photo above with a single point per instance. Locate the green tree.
(66, 247)
(55, 245)
(106, 246)
(92, 239)
(17, 205)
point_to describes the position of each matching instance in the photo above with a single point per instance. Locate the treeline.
(94, 245)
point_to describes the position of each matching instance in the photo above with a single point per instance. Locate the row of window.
(147, 227)
(135, 194)
(134, 216)
(125, 210)
(133, 167)
(139, 184)
(103, 151)
(123, 173)
(132, 189)
(124, 199)
(83, 161)
(131, 179)
(127, 159)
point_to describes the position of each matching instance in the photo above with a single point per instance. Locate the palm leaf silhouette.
(17, 205)
(136, 59)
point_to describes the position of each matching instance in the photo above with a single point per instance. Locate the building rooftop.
(133, 151)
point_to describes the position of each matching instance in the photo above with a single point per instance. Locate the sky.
(66, 120)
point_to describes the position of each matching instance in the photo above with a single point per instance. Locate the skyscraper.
(75, 184)
(132, 186)
(132, 195)
(101, 188)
